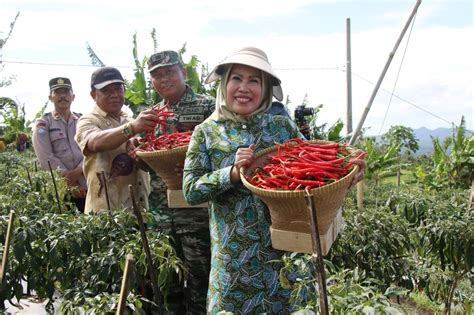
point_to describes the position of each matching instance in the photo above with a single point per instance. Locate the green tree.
(402, 136)
(381, 160)
(453, 160)
(13, 117)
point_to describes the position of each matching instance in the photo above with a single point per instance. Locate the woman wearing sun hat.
(243, 277)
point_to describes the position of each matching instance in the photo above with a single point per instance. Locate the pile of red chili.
(302, 165)
(166, 141)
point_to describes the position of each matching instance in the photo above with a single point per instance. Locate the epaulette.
(77, 114)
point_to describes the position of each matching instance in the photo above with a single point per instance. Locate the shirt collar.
(103, 113)
(56, 115)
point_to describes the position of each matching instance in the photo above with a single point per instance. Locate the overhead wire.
(39, 63)
(392, 94)
(398, 76)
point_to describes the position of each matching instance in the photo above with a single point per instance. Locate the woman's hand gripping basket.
(285, 197)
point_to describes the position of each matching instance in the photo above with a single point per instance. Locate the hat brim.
(60, 86)
(101, 85)
(161, 65)
(251, 61)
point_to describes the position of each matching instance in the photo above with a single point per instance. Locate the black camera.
(301, 111)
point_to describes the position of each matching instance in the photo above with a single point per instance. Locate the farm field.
(408, 251)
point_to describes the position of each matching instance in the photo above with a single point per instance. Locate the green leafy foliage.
(452, 161)
(403, 137)
(80, 257)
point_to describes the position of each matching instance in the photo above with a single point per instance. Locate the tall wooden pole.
(349, 76)
(382, 75)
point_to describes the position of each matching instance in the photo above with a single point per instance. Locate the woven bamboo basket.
(163, 162)
(288, 209)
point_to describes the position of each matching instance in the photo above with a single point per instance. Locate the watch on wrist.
(127, 130)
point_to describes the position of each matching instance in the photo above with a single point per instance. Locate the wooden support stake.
(6, 248)
(55, 187)
(151, 269)
(360, 195)
(129, 263)
(104, 179)
(29, 177)
(471, 197)
(317, 256)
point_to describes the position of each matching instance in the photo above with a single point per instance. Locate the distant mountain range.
(424, 138)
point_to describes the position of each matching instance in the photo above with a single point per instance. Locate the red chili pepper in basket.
(301, 165)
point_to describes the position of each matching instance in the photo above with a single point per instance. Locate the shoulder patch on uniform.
(40, 124)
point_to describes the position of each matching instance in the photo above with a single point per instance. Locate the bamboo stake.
(6, 248)
(382, 75)
(29, 177)
(55, 187)
(471, 198)
(151, 270)
(106, 192)
(317, 256)
(129, 263)
(360, 195)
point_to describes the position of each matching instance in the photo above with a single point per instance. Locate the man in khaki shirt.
(53, 139)
(102, 136)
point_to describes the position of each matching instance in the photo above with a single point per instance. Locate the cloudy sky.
(429, 82)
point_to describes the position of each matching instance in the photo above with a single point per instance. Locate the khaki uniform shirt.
(115, 164)
(53, 140)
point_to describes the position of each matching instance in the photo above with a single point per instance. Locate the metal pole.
(317, 256)
(382, 75)
(349, 76)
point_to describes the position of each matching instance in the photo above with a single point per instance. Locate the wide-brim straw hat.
(253, 57)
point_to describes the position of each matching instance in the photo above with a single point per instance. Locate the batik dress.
(243, 277)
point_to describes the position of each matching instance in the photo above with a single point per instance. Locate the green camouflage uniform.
(189, 227)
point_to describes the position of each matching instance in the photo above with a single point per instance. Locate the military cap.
(105, 76)
(58, 83)
(163, 59)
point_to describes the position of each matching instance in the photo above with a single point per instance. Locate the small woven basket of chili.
(163, 153)
(283, 174)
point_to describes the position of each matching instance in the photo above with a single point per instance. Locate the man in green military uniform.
(188, 226)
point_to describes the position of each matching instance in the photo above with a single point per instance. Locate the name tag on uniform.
(192, 110)
(54, 129)
(191, 118)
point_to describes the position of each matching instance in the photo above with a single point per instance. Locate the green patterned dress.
(243, 279)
